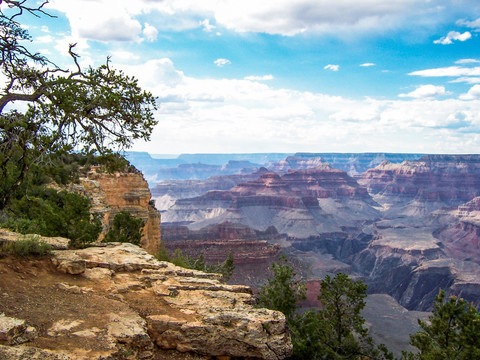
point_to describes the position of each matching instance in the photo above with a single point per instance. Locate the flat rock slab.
(115, 298)
(57, 243)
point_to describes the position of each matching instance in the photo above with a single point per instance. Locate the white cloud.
(103, 20)
(453, 36)
(448, 71)
(122, 56)
(259, 78)
(425, 92)
(45, 29)
(467, 61)
(471, 24)
(367, 64)
(468, 80)
(207, 27)
(46, 39)
(283, 17)
(236, 115)
(472, 94)
(221, 62)
(331, 67)
(150, 32)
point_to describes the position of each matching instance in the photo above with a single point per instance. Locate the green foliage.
(49, 212)
(452, 332)
(282, 292)
(30, 246)
(125, 228)
(162, 253)
(338, 326)
(335, 331)
(95, 110)
(225, 268)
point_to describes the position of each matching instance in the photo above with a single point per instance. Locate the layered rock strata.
(121, 191)
(300, 203)
(441, 178)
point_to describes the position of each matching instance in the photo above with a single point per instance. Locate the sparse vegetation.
(30, 246)
(225, 268)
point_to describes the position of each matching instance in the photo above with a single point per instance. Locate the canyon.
(407, 228)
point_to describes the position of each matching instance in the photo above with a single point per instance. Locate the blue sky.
(286, 76)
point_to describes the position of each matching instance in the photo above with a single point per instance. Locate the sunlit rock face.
(114, 299)
(447, 179)
(122, 191)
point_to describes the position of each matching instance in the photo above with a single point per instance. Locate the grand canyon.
(406, 224)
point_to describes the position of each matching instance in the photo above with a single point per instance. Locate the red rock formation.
(432, 178)
(217, 241)
(251, 252)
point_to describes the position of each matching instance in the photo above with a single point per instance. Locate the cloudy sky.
(288, 75)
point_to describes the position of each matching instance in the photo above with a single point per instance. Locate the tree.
(94, 109)
(335, 330)
(452, 332)
(125, 228)
(283, 291)
(343, 335)
(54, 213)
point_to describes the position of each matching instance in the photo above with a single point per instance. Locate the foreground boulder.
(116, 301)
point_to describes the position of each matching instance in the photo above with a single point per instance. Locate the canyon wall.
(122, 191)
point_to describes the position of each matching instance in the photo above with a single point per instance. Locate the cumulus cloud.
(150, 32)
(231, 115)
(332, 67)
(283, 17)
(103, 20)
(221, 62)
(472, 94)
(367, 64)
(453, 36)
(259, 78)
(425, 92)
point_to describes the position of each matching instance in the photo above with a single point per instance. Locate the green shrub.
(125, 228)
(30, 246)
(49, 212)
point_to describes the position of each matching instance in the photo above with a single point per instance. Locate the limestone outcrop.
(116, 301)
(122, 191)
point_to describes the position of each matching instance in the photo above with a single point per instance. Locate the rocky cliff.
(122, 191)
(300, 203)
(116, 301)
(252, 250)
(165, 193)
(442, 178)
